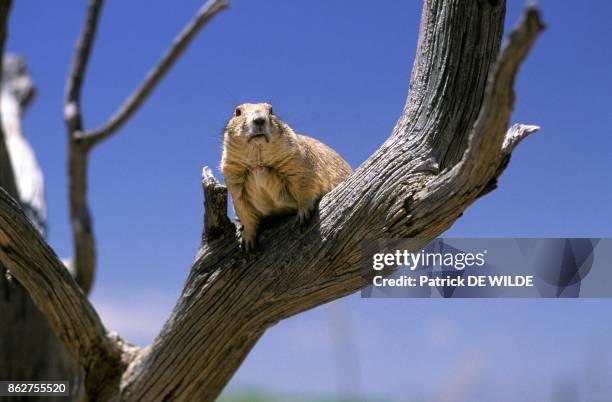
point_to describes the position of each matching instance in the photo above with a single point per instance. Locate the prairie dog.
(271, 170)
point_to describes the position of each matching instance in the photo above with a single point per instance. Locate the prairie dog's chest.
(267, 191)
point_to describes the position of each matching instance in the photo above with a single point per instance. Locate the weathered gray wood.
(60, 299)
(450, 143)
(216, 222)
(29, 350)
(229, 300)
(17, 93)
(83, 240)
(7, 178)
(137, 98)
(81, 142)
(38, 355)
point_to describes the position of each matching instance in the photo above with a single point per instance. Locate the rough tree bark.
(447, 149)
(81, 142)
(29, 350)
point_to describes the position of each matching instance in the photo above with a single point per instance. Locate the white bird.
(16, 94)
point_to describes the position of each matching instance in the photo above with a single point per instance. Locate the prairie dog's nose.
(259, 121)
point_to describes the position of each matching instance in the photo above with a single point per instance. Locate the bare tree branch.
(39, 355)
(18, 90)
(72, 317)
(84, 244)
(450, 143)
(79, 146)
(489, 135)
(516, 134)
(216, 222)
(229, 300)
(7, 177)
(74, 84)
(135, 100)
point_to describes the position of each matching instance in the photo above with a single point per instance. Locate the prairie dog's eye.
(238, 112)
(271, 112)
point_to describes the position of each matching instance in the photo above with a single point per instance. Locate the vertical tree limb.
(84, 244)
(216, 222)
(135, 100)
(29, 350)
(7, 178)
(80, 144)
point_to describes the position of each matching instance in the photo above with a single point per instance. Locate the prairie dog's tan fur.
(271, 170)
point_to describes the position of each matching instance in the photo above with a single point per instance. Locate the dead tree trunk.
(29, 350)
(447, 149)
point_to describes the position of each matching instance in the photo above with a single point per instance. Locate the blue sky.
(338, 71)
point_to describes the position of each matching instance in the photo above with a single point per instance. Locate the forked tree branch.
(28, 347)
(81, 143)
(229, 300)
(73, 319)
(83, 240)
(450, 143)
(135, 100)
(491, 142)
(489, 135)
(39, 354)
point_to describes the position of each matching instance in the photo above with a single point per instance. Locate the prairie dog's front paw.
(248, 241)
(304, 215)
